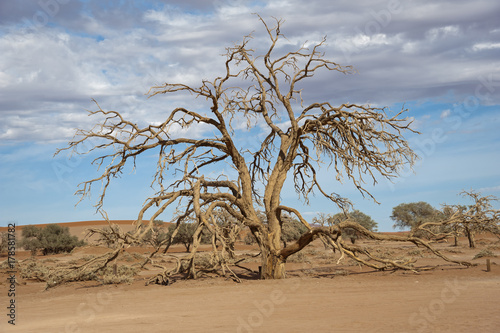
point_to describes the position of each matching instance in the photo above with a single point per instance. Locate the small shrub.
(36, 271)
(138, 256)
(249, 239)
(88, 257)
(311, 252)
(384, 253)
(341, 272)
(298, 257)
(484, 253)
(3, 242)
(415, 253)
(124, 274)
(454, 251)
(292, 230)
(5, 265)
(128, 257)
(204, 261)
(50, 260)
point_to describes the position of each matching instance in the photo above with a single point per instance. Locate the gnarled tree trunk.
(273, 265)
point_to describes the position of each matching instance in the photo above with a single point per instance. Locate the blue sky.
(439, 59)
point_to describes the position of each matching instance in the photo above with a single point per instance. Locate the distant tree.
(338, 219)
(51, 239)
(292, 229)
(185, 234)
(411, 215)
(354, 216)
(109, 235)
(469, 220)
(158, 234)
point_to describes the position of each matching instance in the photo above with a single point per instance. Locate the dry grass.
(484, 253)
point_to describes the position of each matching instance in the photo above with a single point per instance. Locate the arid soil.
(319, 295)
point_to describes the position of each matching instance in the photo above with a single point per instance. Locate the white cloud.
(445, 114)
(58, 69)
(443, 32)
(485, 46)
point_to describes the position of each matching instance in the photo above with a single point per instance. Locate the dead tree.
(358, 142)
(466, 220)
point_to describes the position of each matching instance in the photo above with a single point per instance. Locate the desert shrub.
(454, 251)
(128, 257)
(311, 252)
(88, 257)
(35, 270)
(298, 257)
(5, 265)
(51, 239)
(3, 242)
(249, 239)
(484, 253)
(415, 252)
(292, 230)
(384, 253)
(341, 272)
(204, 261)
(124, 274)
(138, 256)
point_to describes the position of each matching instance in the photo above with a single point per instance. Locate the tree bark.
(470, 237)
(273, 266)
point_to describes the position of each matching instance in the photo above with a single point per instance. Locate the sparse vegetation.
(484, 253)
(33, 269)
(299, 257)
(124, 274)
(3, 242)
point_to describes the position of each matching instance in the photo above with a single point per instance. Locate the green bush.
(51, 239)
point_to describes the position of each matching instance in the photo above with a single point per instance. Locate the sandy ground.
(318, 296)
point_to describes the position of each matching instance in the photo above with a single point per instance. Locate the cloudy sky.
(441, 60)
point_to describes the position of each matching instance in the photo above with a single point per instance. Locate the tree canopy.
(296, 138)
(411, 215)
(355, 216)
